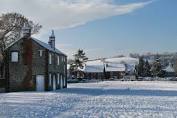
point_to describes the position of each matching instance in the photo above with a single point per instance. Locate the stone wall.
(22, 74)
(38, 62)
(55, 69)
(17, 70)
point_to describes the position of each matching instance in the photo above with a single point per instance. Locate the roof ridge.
(43, 44)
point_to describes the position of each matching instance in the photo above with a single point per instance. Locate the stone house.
(32, 65)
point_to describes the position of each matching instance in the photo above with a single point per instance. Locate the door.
(54, 83)
(64, 81)
(40, 83)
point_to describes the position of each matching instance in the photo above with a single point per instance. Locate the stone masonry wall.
(17, 70)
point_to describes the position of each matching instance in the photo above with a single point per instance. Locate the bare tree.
(10, 28)
(11, 25)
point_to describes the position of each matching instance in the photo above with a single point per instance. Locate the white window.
(58, 79)
(40, 53)
(14, 57)
(50, 58)
(58, 60)
(50, 79)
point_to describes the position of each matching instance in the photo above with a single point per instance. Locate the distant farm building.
(109, 68)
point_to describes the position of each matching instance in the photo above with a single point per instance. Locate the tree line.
(144, 69)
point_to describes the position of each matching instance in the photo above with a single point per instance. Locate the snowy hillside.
(95, 100)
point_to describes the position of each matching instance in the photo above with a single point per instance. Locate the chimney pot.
(26, 31)
(52, 40)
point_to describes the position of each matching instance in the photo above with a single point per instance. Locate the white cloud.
(58, 14)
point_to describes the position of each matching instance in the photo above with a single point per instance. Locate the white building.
(109, 67)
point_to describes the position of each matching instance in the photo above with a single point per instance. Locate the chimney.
(52, 40)
(26, 31)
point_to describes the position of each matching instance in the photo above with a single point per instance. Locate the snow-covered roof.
(115, 67)
(169, 68)
(93, 69)
(95, 62)
(94, 66)
(122, 60)
(45, 45)
(120, 64)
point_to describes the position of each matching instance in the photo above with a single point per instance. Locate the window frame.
(11, 56)
(50, 79)
(63, 59)
(58, 60)
(41, 53)
(58, 79)
(64, 68)
(50, 58)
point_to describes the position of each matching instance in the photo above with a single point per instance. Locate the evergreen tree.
(147, 69)
(157, 69)
(140, 67)
(79, 60)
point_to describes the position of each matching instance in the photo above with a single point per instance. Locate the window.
(58, 79)
(64, 81)
(64, 68)
(61, 79)
(63, 59)
(50, 58)
(14, 57)
(58, 60)
(40, 53)
(50, 79)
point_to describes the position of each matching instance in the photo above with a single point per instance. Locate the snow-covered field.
(95, 100)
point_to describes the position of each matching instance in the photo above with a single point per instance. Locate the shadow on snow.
(117, 92)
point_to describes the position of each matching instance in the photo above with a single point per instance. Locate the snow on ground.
(95, 100)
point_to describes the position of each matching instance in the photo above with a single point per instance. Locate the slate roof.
(45, 45)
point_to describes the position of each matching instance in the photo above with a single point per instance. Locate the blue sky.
(150, 29)
(104, 28)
